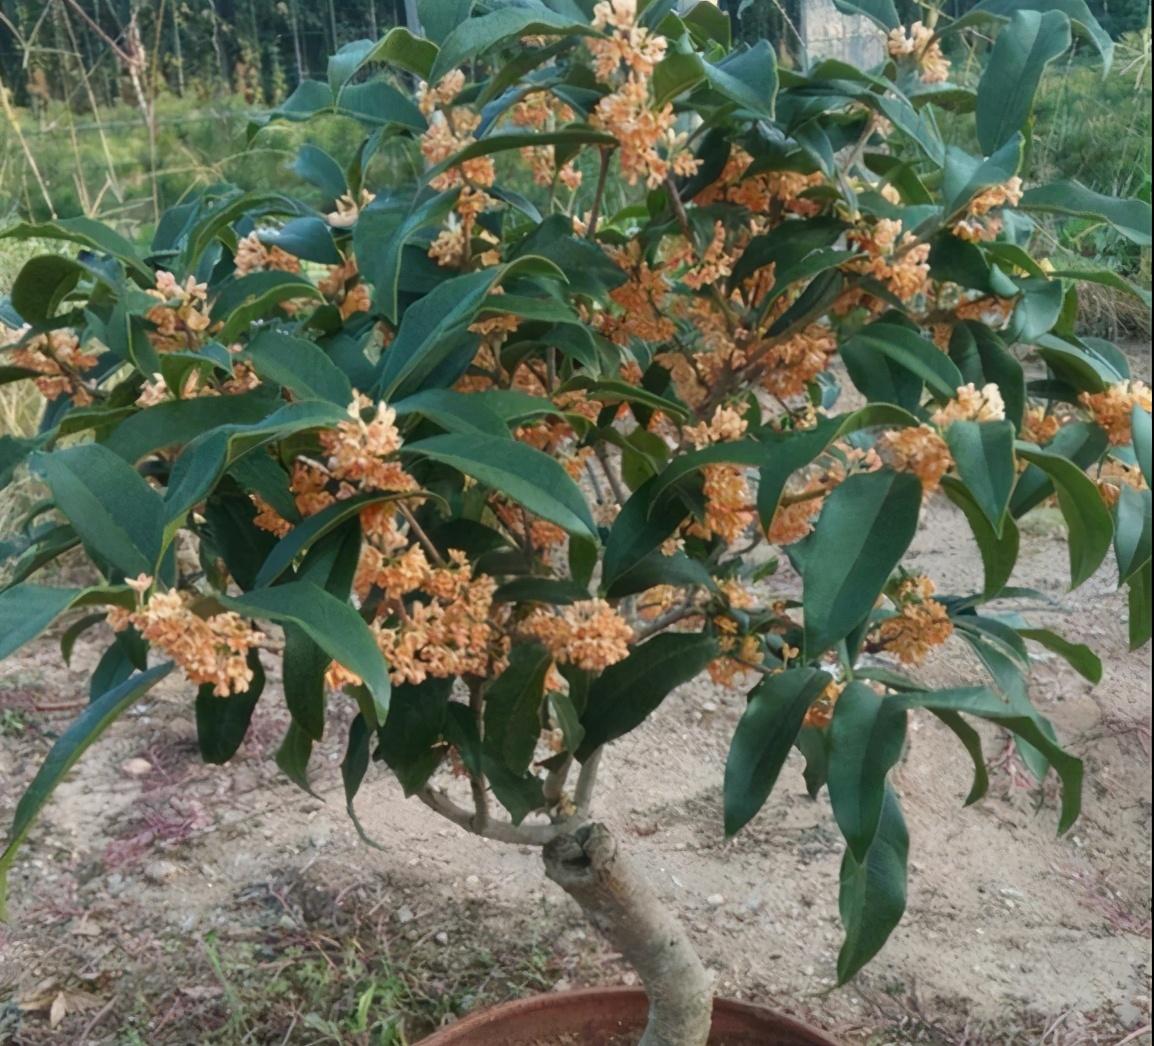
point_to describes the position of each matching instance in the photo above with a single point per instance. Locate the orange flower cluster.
(181, 318)
(542, 111)
(792, 364)
(1039, 426)
(589, 634)
(1113, 476)
(977, 225)
(253, 256)
(56, 360)
(1113, 408)
(919, 43)
(640, 300)
(972, 404)
(358, 448)
(197, 385)
(762, 193)
(348, 210)
(211, 650)
(820, 713)
(442, 620)
(891, 258)
(342, 285)
(921, 623)
(650, 147)
(919, 450)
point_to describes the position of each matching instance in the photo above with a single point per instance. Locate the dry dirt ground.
(161, 901)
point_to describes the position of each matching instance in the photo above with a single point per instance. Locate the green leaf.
(625, 694)
(1076, 10)
(864, 530)
(1027, 725)
(86, 232)
(644, 522)
(1132, 532)
(1082, 442)
(882, 12)
(299, 365)
(764, 736)
(69, 747)
(565, 716)
(1129, 217)
(222, 722)
(310, 530)
(982, 358)
(175, 422)
(513, 706)
(329, 622)
(474, 36)
(1138, 602)
(1140, 437)
(27, 610)
(748, 78)
(984, 455)
(867, 736)
(1088, 520)
(354, 766)
(1080, 657)
(382, 232)
(41, 286)
(432, 330)
(520, 472)
(675, 74)
(292, 758)
(318, 168)
(1019, 57)
(786, 452)
(454, 412)
(411, 736)
(254, 296)
(118, 516)
(913, 353)
(872, 897)
(972, 742)
(999, 553)
(201, 464)
(400, 48)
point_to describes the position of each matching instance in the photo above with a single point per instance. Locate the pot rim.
(486, 1017)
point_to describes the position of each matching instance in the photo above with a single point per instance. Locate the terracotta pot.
(595, 1015)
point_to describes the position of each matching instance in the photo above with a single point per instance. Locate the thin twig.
(602, 179)
(586, 785)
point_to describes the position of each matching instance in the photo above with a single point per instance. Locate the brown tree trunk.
(617, 900)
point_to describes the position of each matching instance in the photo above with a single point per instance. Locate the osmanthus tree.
(501, 456)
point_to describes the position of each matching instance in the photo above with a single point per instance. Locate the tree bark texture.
(618, 901)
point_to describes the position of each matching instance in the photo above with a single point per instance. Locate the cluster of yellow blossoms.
(650, 147)
(1113, 408)
(920, 624)
(589, 634)
(921, 45)
(181, 317)
(978, 224)
(211, 649)
(56, 360)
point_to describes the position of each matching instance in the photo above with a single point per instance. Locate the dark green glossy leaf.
(625, 694)
(764, 736)
(864, 529)
(984, 455)
(872, 897)
(867, 736)
(513, 706)
(222, 722)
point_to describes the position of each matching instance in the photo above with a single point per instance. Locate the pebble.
(160, 872)
(135, 767)
(441, 937)
(715, 900)
(405, 916)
